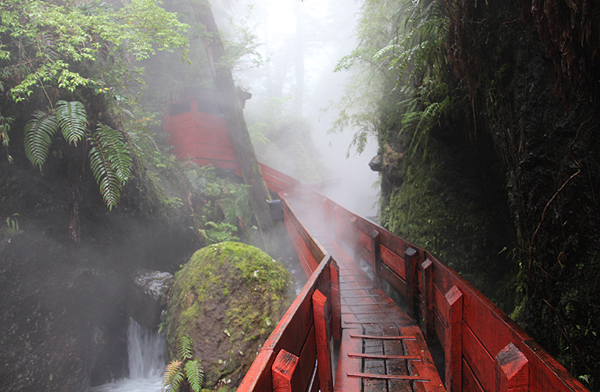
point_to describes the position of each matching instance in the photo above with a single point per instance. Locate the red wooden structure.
(196, 128)
(343, 332)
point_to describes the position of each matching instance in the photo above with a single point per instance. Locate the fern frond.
(195, 374)
(185, 348)
(72, 120)
(39, 132)
(173, 376)
(110, 163)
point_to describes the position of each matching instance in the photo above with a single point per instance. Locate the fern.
(39, 132)
(185, 348)
(194, 374)
(173, 376)
(71, 117)
(110, 163)
(187, 369)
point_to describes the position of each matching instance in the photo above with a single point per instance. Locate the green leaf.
(194, 374)
(110, 163)
(173, 376)
(39, 132)
(72, 120)
(185, 348)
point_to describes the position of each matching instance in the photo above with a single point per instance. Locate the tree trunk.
(234, 117)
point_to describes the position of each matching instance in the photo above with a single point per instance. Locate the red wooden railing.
(203, 138)
(288, 359)
(484, 350)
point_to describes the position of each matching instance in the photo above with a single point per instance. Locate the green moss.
(228, 298)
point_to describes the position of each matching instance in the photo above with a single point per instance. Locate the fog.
(321, 32)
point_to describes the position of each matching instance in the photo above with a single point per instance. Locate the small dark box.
(275, 209)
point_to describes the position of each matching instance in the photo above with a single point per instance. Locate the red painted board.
(306, 363)
(196, 136)
(348, 364)
(290, 333)
(393, 261)
(469, 381)
(258, 377)
(545, 374)
(478, 359)
(278, 174)
(365, 241)
(440, 304)
(425, 368)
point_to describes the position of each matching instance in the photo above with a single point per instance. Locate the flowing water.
(147, 358)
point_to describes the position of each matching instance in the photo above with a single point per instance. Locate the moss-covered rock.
(228, 299)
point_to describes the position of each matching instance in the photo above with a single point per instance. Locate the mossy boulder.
(227, 299)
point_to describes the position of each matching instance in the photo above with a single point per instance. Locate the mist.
(322, 32)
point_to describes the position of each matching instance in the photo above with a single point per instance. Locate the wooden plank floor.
(382, 348)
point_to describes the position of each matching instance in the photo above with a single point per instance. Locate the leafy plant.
(108, 154)
(185, 370)
(218, 232)
(400, 51)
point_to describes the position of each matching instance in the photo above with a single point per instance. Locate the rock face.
(148, 296)
(227, 299)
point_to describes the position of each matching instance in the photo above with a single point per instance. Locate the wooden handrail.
(287, 359)
(474, 332)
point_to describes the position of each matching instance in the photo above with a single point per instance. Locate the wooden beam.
(453, 340)
(512, 370)
(282, 371)
(322, 335)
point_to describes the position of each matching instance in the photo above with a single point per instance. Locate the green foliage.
(44, 42)
(173, 376)
(214, 233)
(400, 49)
(109, 155)
(185, 370)
(39, 132)
(225, 205)
(69, 117)
(185, 347)
(110, 162)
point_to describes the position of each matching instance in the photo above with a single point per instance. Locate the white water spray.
(147, 358)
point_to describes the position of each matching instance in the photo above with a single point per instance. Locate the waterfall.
(147, 358)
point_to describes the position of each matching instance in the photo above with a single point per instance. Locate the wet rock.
(227, 299)
(376, 163)
(148, 297)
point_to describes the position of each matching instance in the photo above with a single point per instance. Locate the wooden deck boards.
(367, 310)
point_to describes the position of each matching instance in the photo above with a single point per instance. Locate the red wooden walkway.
(343, 332)
(382, 348)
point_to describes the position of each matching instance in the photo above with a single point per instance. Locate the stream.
(147, 353)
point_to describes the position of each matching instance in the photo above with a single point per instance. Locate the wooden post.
(427, 298)
(376, 256)
(282, 371)
(410, 270)
(453, 339)
(336, 306)
(322, 334)
(512, 370)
